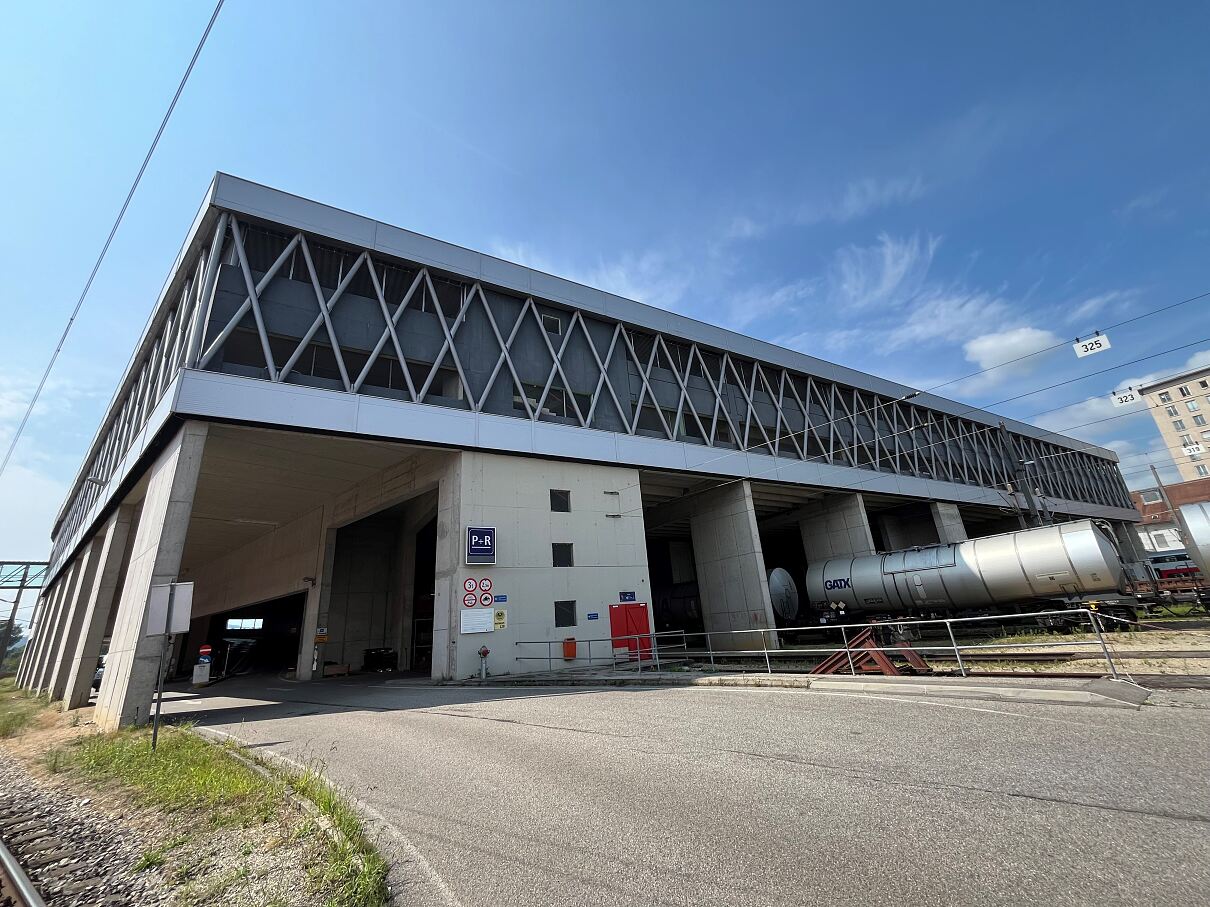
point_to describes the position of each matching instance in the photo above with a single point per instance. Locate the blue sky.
(913, 190)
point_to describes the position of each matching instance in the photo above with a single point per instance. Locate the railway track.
(16, 890)
(37, 846)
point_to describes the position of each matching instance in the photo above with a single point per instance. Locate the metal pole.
(848, 653)
(159, 682)
(1096, 625)
(710, 648)
(655, 648)
(957, 654)
(764, 644)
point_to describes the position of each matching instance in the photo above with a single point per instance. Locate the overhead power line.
(109, 240)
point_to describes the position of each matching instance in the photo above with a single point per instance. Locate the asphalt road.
(702, 796)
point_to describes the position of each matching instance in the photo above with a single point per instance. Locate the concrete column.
(28, 656)
(948, 520)
(836, 527)
(54, 627)
(37, 642)
(315, 611)
(732, 582)
(98, 607)
(73, 618)
(448, 571)
(131, 669)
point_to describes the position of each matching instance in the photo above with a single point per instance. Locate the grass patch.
(354, 874)
(185, 773)
(17, 708)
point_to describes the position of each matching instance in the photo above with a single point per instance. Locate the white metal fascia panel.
(215, 395)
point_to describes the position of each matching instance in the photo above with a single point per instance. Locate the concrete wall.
(836, 527)
(605, 526)
(731, 578)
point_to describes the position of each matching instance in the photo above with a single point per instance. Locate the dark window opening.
(552, 324)
(565, 614)
(560, 501)
(561, 554)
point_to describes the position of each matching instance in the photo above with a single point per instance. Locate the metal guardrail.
(672, 645)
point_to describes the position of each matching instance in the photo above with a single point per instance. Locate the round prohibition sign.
(469, 584)
(468, 600)
(486, 600)
(485, 584)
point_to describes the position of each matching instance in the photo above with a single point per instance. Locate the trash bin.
(379, 660)
(569, 648)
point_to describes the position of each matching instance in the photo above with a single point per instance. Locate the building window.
(1185, 392)
(1203, 384)
(1206, 436)
(561, 554)
(1203, 470)
(552, 324)
(560, 501)
(1160, 539)
(245, 623)
(1179, 424)
(1192, 405)
(565, 614)
(1186, 440)
(1165, 397)
(1172, 411)
(1199, 420)
(1150, 497)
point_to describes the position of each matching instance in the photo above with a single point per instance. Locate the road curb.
(1096, 693)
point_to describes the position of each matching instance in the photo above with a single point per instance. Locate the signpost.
(168, 609)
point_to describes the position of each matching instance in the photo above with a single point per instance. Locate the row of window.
(1184, 391)
(1179, 424)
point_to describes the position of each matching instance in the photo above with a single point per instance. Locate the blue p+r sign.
(480, 544)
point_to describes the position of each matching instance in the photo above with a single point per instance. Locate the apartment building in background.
(1180, 406)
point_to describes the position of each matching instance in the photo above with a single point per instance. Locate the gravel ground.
(104, 839)
(99, 851)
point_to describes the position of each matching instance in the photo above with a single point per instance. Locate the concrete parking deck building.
(323, 405)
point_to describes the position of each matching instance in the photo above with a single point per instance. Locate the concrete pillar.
(37, 644)
(837, 526)
(131, 668)
(73, 618)
(28, 656)
(98, 607)
(54, 626)
(315, 611)
(948, 520)
(448, 571)
(732, 582)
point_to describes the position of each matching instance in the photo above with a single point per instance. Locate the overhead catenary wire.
(109, 240)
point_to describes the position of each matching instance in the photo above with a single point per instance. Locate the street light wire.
(109, 239)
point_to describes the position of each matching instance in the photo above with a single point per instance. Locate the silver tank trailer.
(1048, 562)
(1194, 520)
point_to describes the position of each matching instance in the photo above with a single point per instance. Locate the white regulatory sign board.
(477, 621)
(1124, 398)
(1088, 347)
(1192, 449)
(157, 609)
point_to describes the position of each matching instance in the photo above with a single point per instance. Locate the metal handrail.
(636, 654)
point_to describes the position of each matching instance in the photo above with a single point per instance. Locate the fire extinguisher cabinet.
(569, 648)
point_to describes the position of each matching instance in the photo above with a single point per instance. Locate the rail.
(673, 645)
(15, 886)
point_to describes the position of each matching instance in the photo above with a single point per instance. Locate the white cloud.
(1008, 354)
(763, 301)
(651, 278)
(947, 314)
(1097, 304)
(866, 195)
(886, 274)
(1148, 205)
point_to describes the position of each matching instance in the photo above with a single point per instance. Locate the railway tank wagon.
(1051, 562)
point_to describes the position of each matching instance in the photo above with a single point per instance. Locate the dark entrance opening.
(422, 597)
(257, 639)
